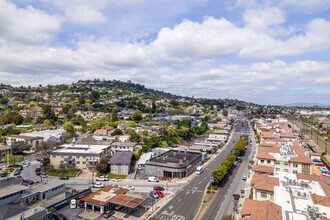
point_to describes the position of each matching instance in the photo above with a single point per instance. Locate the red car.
(320, 164)
(159, 193)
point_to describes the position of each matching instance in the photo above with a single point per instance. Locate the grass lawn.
(59, 173)
(116, 176)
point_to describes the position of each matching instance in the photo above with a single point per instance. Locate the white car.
(116, 180)
(97, 185)
(26, 165)
(129, 187)
(244, 178)
(101, 178)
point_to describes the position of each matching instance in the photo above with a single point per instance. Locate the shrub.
(208, 191)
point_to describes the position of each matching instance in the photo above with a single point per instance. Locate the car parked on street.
(244, 178)
(43, 175)
(27, 182)
(101, 178)
(17, 172)
(116, 180)
(57, 216)
(236, 196)
(319, 164)
(129, 187)
(97, 185)
(3, 174)
(64, 178)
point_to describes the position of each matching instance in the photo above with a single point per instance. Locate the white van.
(199, 170)
(73, 204)
(153, 179)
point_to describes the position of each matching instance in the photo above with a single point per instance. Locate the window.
(305, 165)
(271, 196)
(278, 162)
(268, 161)
(263, 195)
(61, 156)
(286, 170)
(61, 161)
(304, 172)
(262, 161)
(278, 169)
(295, 164)
(84, 162)
(78, 157)
(54, 156)
(78, 162)
(295, 171)
(286, 163)
(84, 157)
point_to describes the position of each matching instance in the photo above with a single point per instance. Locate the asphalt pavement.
(186, 202)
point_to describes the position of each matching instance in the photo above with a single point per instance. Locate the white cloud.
(82, 11)
(26, 25)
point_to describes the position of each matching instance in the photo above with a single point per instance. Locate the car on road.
(26, 165)
(64, 178)
(57, 216)
(154, 195)
(153, 179)
(43, 175)
(318, 161)
(236, 196)
(3, 174)
(116, 180)
(159, 193)
(38, 171)
(101, 178)
(244, 178)
(97, 185)
(159, 188)
(129, 187)
(239, 160)
(108, 214)
(115, 185)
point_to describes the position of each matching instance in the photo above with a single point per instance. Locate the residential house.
(31, 140)
(120, 163)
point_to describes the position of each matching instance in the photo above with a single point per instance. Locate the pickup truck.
(101, 178)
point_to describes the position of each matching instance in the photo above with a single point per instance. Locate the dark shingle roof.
(121, 157)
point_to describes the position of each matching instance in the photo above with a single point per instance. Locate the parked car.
(26, 165)
(73, 204)
(43, 175)
(101, 178)
(319, 164)
(67, 194)
(20, 168)
(159, 193)
(27, 182)
(38, 171)
(236, 196)
(318, 161)
(97, 185)
(129, 187)
(57, 216)
(154, 195)
(108, 214)
(153, 179)
(159, 188)
(3, 174)
(115, 185)
(116, 180)
(244, 178)
(17, 172)
(38, 159)
(74, 192)
(64, 178)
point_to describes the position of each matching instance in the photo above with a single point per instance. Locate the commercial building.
(173, 164)
(53, 135)
(79, 155)
(109, 197)
(120, 163)
(261, 210)
(4, 150)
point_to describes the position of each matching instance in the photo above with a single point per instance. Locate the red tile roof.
(261, 210)
(263, 169)
(264, 182)
(320, 200)
(324, 181)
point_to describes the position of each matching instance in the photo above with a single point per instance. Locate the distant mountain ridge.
(306, 104)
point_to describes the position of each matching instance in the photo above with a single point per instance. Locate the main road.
(222, 204)
(187, 201)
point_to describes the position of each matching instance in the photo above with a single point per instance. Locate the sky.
(266, 52)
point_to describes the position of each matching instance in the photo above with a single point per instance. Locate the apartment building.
(124, 146)
(32, 140)
(79, 156)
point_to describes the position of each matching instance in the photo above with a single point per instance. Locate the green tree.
(117, 131)
(102, 168)
(82, 100)
(18, 147)
(225, 113)
(18, 119)
(13, 158)
(68, 127)
(137, 116)
(114, 115)
(47, 123)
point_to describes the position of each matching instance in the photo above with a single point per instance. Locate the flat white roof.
(294, 196)
(81, 149)
(45, 133)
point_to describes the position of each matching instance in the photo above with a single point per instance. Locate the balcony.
(91, 164)
(69, 159)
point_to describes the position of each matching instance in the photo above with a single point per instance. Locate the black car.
(57, 216)
(107, 214)
(38, 171)
(64, 178)
(3, 174)
(20, 168)
(27, 182)
(159, 188)
(236, 196)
